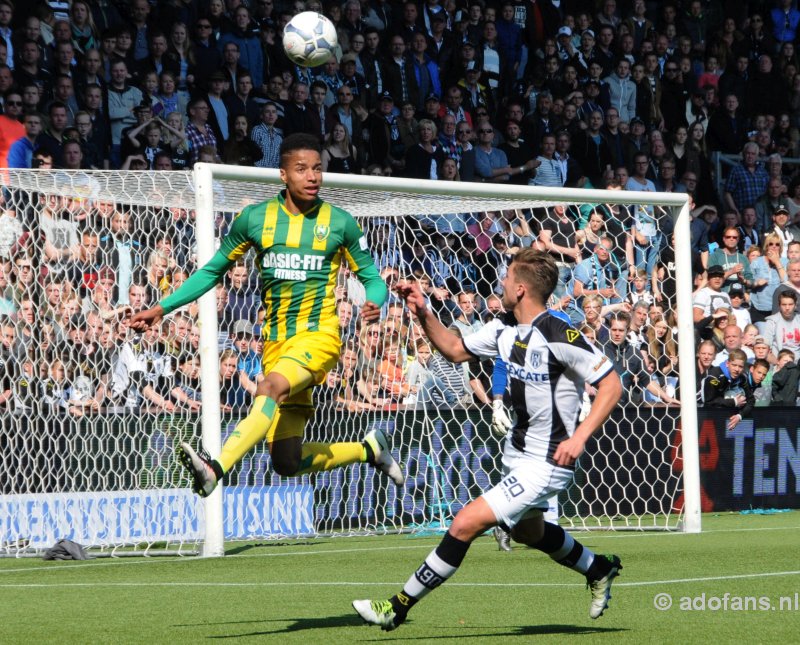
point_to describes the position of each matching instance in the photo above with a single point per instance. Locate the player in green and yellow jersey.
(301, 242)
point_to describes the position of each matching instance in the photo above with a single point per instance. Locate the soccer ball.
(309, 39)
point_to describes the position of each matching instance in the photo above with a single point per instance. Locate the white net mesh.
(90, 412)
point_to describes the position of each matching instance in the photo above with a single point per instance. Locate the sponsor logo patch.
(573, 335)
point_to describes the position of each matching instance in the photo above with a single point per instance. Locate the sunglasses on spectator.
(731, 237)
(486, 131)
(465, 131)
(17, 103)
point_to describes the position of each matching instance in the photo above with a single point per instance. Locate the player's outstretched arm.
(609, 391)
(449, 345)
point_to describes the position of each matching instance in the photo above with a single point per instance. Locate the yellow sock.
(248, 432)
(326, 456)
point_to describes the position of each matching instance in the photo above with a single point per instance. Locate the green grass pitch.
(300, 592)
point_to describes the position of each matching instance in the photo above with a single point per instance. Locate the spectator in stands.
(628, 362)
(645, 229)
(768, 273)
(249, 45)
(732, 339)
(706, 352)
(592, 151)
(747, 181)
(20, 154)
(448, 384)
(339, 155)
(122, 99)
(198, 132)
(785, 379)
(267, 137)
(243, 100)
(597, 275)
(621, 90)
(491, 164)
(769, 202)
(782, 329)
(322, 115)
(708, 299)
(241, 150)
(735, 264)
(424, 160)
(727, 386)
(546, 168)
(558, 237)
(780, 219)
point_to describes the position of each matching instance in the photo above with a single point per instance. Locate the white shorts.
(525, 490)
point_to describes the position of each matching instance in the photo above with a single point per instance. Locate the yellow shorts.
(314, 351)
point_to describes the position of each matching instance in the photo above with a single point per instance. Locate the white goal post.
(103, 472)
(370, 196)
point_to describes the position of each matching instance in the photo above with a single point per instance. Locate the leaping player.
(301, 242)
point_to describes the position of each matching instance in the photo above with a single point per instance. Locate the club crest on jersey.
(536, 359)
(573, 335)
(321, 232)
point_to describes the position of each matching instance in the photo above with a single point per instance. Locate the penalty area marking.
(517, 585)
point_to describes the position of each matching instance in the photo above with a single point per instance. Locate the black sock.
(565, 550)
(217, 468)
(599, 568)
(401, 603)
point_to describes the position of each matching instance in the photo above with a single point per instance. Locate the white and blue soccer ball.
(309, 39)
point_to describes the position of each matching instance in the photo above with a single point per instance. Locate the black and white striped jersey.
(548, 364)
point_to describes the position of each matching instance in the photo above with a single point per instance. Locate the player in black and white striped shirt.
(548, 364)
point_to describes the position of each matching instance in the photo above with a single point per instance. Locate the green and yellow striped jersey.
(299, 257)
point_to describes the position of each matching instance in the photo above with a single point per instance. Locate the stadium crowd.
(624, 95)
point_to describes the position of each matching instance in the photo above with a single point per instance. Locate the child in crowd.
(785, 379)
(641, 289)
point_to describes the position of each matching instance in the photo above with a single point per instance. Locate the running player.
(300, 242)
(548, 363)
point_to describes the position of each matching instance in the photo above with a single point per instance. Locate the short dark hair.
(162, 155)
(299, 141)
(760, 362)
(790, 295)
(196, 101)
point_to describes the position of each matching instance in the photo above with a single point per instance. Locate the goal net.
(90, 412)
